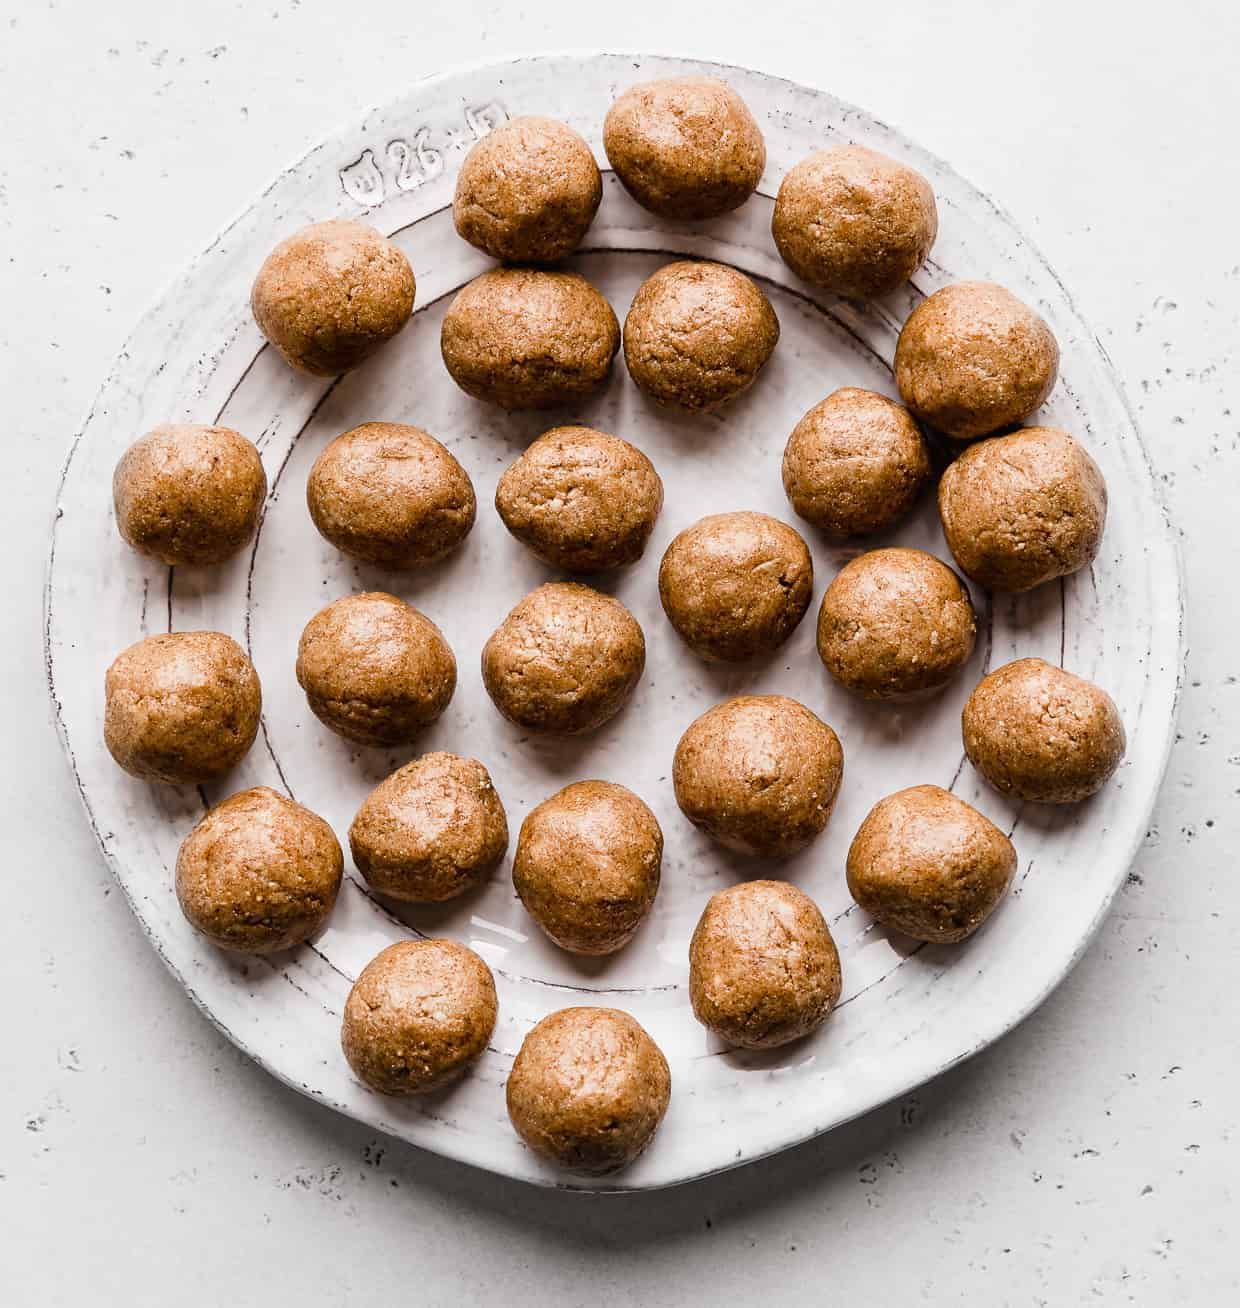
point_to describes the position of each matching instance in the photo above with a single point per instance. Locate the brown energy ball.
(581, 500)
(1042, 734)
(587, 866)
(527, 338)
(588, 1089)
(564, 660)
(972, 358)
(763, 969)
(527, 192)
(390, 495)
(895, 624)
(259, 873)
(855, 464)
(331, 294)
(189, 494)
(685, 147)
(930, 865)
(854, 221)
(431, 831)
(697, 335)
(375, 670)
(418, 1015)
(1022, 509)
(182, 707)
(736, 584)
(758, 773)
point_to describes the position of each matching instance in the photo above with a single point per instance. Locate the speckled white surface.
(1086, 1158)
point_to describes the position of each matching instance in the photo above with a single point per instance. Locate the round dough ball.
(259, 873)
(527, 192)
(763, 969)
(735, 585)
(930, 865)
(331, 294)
(564, 660)
(895, 624)
(390, 495)
(582, 500)
(418, 1015)
(431, 831)
(1023, 509)
(375, 670)
(527, 338)
(182, 707)
(685, 147)
(1042, 734)
(855, 464)
(189, 494)
(854, 221)
(972, 358)
(588, 1089)
(697, 335)
(587, 866)
(758, 773)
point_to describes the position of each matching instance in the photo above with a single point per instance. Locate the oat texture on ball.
(432, 831)
(895, 624)
(564, 661)
(331, 294)
(929, 865)
(182, 707)
(588, 1089)
(390, 495)
(581, 500)
(759, 774)
(735, 585)
(259, 873)
(685, 147)
(529, 338)
(186, 493)
(528, 191)
(698, 334)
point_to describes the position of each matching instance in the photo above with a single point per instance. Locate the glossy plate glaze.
(908, 1012)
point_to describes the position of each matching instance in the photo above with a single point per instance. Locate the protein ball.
(1020, 510)
(1038, 733)
(581, 500)
(431, 831)
(587, 866)
(972, 359)
(564, 660)
(855, 464)
(854, 221)
(736, 584)
(331, 294)
(895, 624)
(685, 147)
(527, 338)
(418, 1015)
(375, 670)
(763, 969)
(527, 192)
(759, 774)
(588, 1089)
(182, 707)
(926, 863)
(259, 873)
(390, 495)
(697, 335)
(189, 494)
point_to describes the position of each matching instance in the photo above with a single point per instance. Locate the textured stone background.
(1089, 1157)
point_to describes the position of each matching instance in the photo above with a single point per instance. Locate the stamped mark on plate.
(406, 163)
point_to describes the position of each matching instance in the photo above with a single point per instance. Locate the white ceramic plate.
(907, 1012)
